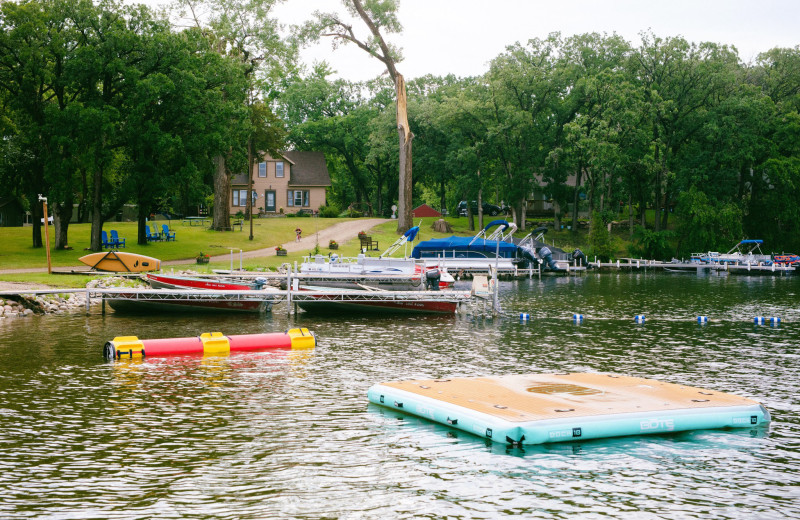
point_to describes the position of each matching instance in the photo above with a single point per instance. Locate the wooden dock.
(631, 264)
(273, 296)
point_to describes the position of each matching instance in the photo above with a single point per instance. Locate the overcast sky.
(461, 36)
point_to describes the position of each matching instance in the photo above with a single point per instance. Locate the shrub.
(651, 244)
(329, 211)
(600, 239)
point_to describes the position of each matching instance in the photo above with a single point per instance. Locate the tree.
(335, 118)
(524, 85)
(681, 81)
(380, 15)
(245, 32)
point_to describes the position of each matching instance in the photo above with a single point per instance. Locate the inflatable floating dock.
(208, 343)
(540, 408)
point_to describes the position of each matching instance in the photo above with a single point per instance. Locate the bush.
(329, 211)
(651, 244)
(600, 239)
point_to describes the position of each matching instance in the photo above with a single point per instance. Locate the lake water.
(291, 434)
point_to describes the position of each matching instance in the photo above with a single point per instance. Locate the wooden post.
(289, 293)
(46, 234)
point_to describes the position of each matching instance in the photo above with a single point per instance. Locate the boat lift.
(407, 237)
(498, 234)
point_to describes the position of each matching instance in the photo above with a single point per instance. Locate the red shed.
(425, 211)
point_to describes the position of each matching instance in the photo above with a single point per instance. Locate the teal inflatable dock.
(541, 408)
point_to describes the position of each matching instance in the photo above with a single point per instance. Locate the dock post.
(288, 289)
(104, 304)
(87, 301)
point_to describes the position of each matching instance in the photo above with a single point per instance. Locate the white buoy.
(577, 318)
(524, 316)
(702, 319)
(774, 320)
(639, 318)
(758, 320)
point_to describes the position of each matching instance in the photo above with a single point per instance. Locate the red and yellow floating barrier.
(207, 343)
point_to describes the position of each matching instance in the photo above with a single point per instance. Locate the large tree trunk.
(556, 215)
(250, 161)
(575, 196)
(221, 220)
(630, 216)
(657, 190)
(141, 222)
(62, 214)
(36, 215)
(480, 205)
(97, 208)
(405, 135)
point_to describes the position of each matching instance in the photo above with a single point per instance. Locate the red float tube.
(207, 343)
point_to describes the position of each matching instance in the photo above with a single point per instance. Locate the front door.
(269, 200)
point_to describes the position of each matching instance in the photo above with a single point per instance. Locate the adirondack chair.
(150, 236)
(116, 240)
(156, 234)
(106, 242)
(166, 234)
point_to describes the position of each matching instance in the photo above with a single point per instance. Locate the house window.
(262, 170)
(279, 169)
(240, 198)
(298, 198)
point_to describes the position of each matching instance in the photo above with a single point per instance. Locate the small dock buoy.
(639, 318)
(774, 320)
(524, 316)
(577, 318)
(702, 319)
(758, 320)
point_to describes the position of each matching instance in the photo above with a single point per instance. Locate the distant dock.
(631, 264)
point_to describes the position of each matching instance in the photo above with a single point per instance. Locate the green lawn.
(17, 252)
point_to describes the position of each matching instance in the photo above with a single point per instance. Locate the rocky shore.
(22, 305)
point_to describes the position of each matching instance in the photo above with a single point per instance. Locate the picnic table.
(196, 221)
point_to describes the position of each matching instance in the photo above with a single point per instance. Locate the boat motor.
(432, 277)
(547, 255)
(259, 283)
(580, 257)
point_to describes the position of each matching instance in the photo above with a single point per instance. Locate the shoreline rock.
(21, 305)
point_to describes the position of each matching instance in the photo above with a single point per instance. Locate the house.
(540, 200)
(425, 211)
(292, 182)
(11, 212)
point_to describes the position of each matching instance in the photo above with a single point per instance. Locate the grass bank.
(17, 252)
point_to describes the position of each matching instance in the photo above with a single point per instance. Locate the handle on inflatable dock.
(211, 343)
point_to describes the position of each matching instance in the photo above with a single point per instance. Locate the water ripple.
(290, 435)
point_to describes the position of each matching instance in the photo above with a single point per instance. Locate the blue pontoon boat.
(479, 252)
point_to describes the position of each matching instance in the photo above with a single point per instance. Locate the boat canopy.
(499, 222)
(411, 234)
(462, 246)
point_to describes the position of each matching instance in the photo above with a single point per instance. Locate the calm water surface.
(291, 435)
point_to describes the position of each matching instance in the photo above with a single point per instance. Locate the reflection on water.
(290, 434)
